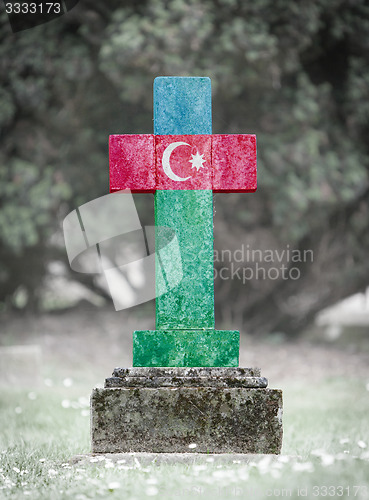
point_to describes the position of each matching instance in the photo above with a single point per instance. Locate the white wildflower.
(152, 491)
(318, 453)
(243, 474)
(303, 467)
(114, 485)
(327, 460)
(199, 467)
(264, 464)
(275, 473)
(67, 382)
(340, 456)
(225, 474)
(83, 401)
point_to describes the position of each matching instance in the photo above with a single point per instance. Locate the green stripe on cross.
(185, 332)
(190, 214)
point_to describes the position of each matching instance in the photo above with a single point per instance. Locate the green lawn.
(325, 451)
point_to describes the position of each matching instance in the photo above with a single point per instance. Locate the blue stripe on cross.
(183, 164)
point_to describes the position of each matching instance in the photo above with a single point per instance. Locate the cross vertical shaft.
(183, 106)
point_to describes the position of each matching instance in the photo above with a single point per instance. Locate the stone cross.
(183, 163)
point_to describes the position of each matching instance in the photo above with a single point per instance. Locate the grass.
(325, 451)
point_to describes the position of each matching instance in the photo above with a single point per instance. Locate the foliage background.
(294, 73)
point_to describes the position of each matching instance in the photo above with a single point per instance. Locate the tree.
(296, 75)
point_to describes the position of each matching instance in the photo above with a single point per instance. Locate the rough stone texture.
(234, 163)
(132, 163)
(168, 420)
(179, 159)
(182, 105)
(185, 347)
(198, 371)
(191, 304)
(251, 382)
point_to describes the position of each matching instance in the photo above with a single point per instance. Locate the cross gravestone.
(185, 385)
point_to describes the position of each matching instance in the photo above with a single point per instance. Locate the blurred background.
(294, 73)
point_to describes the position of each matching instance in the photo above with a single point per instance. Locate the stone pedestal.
(165, 410)
(171, 348)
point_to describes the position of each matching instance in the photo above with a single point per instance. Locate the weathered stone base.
(215, 416)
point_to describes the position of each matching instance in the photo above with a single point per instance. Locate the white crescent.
(166, 161)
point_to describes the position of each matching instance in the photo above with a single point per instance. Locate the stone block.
(132, 163)
(182, 105)
(216, 348)
(188, 372)
(190, 214)
(189, 377)
(183, 162)
(251, 382)
(234, 163)
(169, 419)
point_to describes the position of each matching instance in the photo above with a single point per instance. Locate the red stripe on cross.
(132, 163)
(234, 163)
(145, 162)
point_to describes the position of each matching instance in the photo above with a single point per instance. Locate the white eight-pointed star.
(197, 161)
